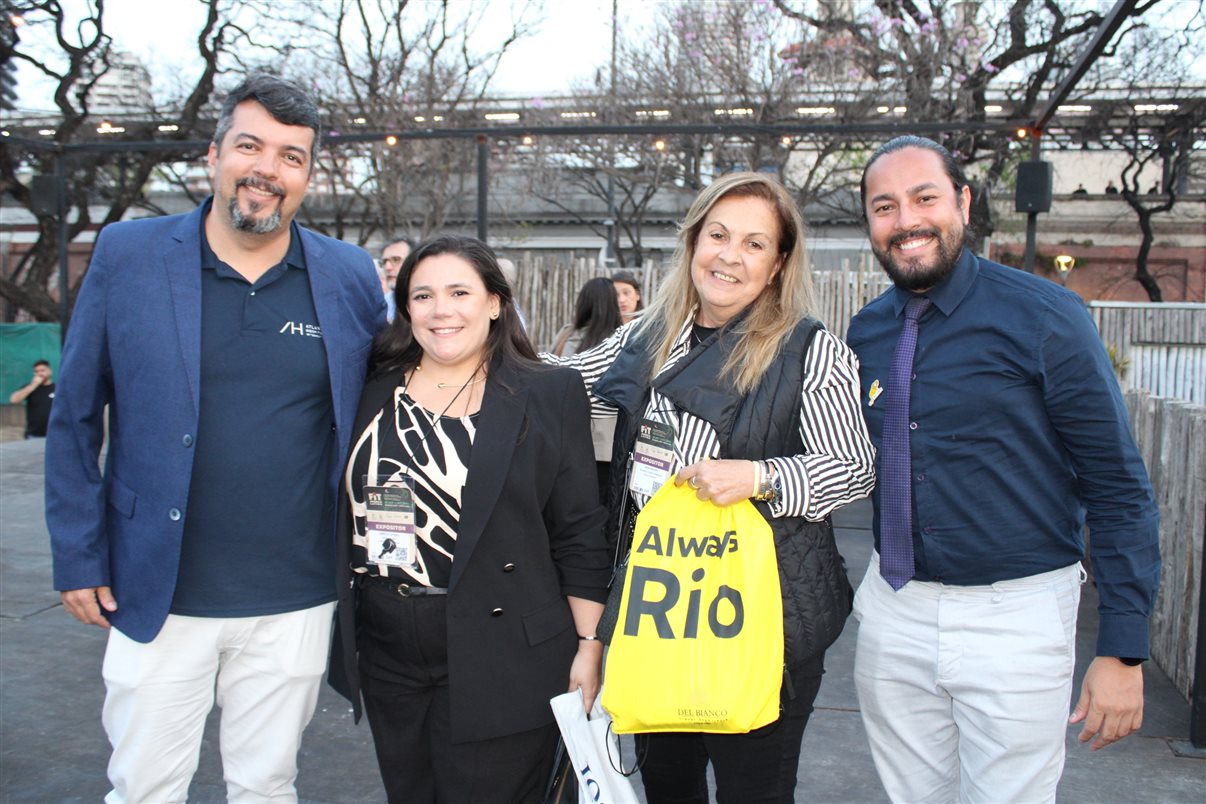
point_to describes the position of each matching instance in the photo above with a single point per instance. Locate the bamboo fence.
(547, 289)
(1171, 435)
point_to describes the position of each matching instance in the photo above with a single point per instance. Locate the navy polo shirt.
(1018, 437)
(259, 527)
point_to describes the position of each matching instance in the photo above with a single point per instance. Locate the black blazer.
(530, 533)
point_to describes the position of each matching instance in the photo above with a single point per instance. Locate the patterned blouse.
(838, 462)
(405, 439)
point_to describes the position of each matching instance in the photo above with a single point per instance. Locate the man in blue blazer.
(229, 346)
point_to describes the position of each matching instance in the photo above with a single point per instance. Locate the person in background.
(1111, 188)
(1001, 432)
(511, 274)
(628, 294)
(760, 403)
(229, 345)
(1080, 190)
(38, 395)
(596, 316)
(392, 257)
(457, 631)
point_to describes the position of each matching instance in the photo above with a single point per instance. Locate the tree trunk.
(1145, 246)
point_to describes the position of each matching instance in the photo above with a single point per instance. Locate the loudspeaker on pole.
(1034, 187)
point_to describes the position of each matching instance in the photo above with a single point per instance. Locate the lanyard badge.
(389, 523)
(652, 457)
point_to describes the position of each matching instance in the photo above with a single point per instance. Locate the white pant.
(266, 673)
(964, 690)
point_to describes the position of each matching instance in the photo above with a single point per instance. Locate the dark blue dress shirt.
(1019, 436)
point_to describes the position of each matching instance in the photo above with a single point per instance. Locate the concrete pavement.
(53, 749)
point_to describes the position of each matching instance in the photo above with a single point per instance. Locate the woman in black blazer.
(457, 631)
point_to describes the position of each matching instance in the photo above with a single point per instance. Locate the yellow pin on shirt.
(874, 393)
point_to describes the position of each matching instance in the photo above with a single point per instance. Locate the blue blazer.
(134, 344)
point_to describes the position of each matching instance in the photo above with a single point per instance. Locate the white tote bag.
(589, 742)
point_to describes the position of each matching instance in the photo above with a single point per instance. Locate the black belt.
(403, 588)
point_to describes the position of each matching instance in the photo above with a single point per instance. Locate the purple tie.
(896, 463)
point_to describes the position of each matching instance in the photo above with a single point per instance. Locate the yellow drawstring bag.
(698, 645)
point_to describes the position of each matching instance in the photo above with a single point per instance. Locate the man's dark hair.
(953, 171)
(45, 363)
(391, 241)
(285, 101)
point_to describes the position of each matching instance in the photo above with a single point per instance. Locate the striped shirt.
(838, 463)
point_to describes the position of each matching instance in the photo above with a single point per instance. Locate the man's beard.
(247, 223)
(909, 273)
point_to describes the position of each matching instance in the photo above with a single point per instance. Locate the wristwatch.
(770, 487)
(1130, 661)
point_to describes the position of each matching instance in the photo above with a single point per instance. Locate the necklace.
(470, 381)
(473, 380)
(699, 334)
(435, 417)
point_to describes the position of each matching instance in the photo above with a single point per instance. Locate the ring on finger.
(693, 483)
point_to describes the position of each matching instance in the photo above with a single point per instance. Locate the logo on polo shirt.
(298, 328)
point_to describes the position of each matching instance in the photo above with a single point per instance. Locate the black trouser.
(403, 645)
(755, 767)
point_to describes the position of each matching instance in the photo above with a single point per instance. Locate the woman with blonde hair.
(761, 403)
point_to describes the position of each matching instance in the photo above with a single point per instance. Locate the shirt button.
(508, 567)
(927, 531)
(913, 377)
(174, 514)
(912, 425)
(187, 440)
(921, 477)
(496, 613)
(253, 293)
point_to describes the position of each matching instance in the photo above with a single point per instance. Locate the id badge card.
(652, 457)
(389, 523)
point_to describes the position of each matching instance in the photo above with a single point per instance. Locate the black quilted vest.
(761, 424)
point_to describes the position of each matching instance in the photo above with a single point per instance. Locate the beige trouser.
(964, 690)
(264, 672)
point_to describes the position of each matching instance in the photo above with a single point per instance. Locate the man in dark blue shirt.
(1001, 441)
(229, 346)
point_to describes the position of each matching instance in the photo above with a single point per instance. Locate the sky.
(547, 63)
(571, 41)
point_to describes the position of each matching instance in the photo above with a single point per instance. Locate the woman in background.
(597, 315)
(628, 294)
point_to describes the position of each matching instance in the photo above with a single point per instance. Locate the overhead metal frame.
(484, 134)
